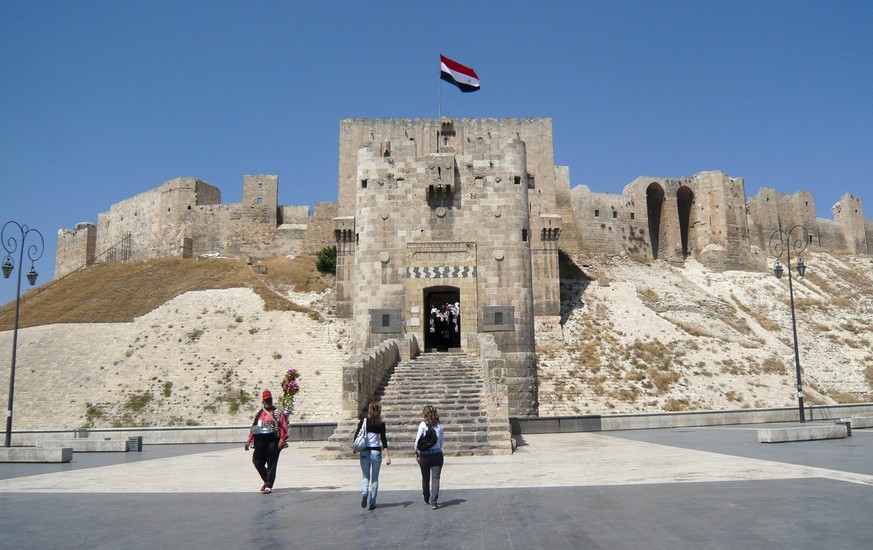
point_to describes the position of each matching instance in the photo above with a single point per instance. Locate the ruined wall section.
(319, 228)
(152, 219)
(76, 248)
(210, 228)
(571, 237)
(656, 222)
(608, 222)
(702, 216)
(725, 238)
(184, 217)
(768, 209)
(849, 214)
(829, 235)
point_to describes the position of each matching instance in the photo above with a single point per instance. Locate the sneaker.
(267, 490)
(426, 499)
(262, 488)
(363, 501)
(372, 507)
(435, 505)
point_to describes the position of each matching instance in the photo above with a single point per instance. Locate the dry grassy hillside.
(193, 342)
(117, 293)
(175, 342)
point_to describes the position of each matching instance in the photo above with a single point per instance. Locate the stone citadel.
(468, 214)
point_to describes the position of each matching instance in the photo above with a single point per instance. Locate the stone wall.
(701, 216)
(829, 235)
(319, 228)
(608, 223)
(849, 213)
(75, 248)
(768, 209)
(459, 224)
(184, 217)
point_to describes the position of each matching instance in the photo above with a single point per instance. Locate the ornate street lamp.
(784, 245)
(34, 252)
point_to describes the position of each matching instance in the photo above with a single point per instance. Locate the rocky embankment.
(633, 337)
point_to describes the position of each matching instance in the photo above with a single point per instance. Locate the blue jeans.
(371, 461)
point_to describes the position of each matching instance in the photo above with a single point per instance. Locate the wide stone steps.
(449, 382)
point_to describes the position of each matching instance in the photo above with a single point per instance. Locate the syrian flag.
(463, 77)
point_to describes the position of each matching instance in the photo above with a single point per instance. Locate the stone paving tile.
(676, 489)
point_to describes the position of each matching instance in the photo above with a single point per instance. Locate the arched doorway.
(684, 200)
(654, 203)
(442, 306)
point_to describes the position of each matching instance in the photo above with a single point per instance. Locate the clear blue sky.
(102, 100)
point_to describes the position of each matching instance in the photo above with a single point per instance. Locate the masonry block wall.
(75, 248)
(608, 223)
(849, 213)
(702, 216)
(472, 137)
(184, 217)
(457, 222)
(829, 235)
(768, 209)
(473, 210)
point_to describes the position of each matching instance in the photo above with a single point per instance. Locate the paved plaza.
(714, 487)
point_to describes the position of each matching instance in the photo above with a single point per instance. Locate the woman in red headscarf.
(269, 433)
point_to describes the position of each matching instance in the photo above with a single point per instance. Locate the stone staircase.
(451, 383)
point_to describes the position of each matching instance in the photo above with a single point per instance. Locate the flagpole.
(439, 107)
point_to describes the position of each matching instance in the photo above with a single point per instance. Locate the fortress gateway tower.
(457, 213)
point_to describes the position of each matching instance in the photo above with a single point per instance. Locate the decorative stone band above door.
(443, 272)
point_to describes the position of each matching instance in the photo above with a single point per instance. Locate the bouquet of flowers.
(290, 387)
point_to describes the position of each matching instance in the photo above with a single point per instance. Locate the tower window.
(597, 213)
(614, 214)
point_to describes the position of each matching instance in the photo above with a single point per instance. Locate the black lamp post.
(783, 245)
(11, 243)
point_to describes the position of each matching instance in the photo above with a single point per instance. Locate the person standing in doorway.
(371, 457)
(268, 434)
(428, 449)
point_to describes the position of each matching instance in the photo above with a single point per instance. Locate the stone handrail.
(363, 374)
(493, 369)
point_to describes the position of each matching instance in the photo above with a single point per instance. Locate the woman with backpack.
(371, 456)
(428, 449)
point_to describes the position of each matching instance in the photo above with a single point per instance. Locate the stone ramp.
(451, 383)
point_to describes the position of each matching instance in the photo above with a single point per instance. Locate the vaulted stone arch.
(684, 200)
(654, 206)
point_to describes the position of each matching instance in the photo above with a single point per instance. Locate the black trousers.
(266, 459)
(431, 467)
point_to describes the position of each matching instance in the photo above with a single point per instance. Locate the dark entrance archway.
(442, 306)
(684, 200)
(654, 204)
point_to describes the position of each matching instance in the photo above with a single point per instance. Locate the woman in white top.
(430, 454)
